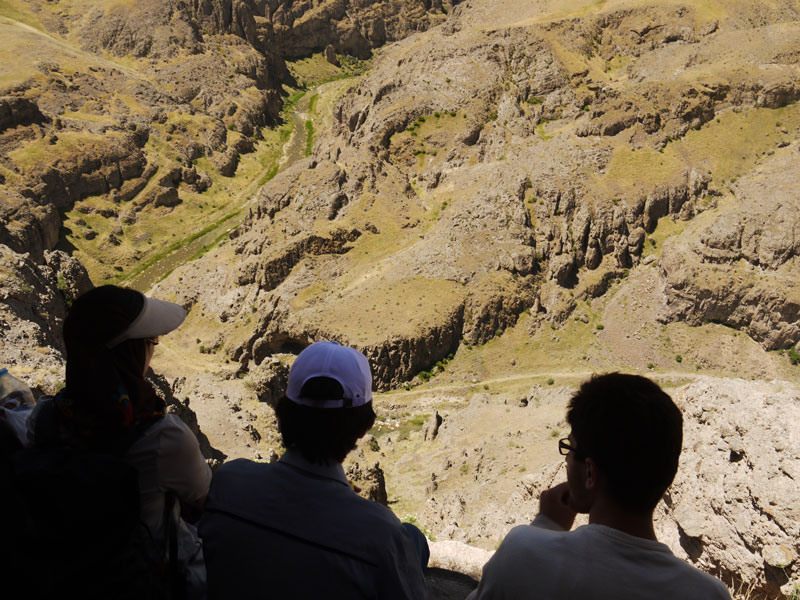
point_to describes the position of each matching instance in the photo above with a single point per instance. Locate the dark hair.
(106, 398)
(322, 434)
(633, 431)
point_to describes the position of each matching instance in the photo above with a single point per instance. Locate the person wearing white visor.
(108, 406)
(295, 528)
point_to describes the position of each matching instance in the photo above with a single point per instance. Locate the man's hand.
(554, 504)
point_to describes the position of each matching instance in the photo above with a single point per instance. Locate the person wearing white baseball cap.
(109, 407)
(295, 528)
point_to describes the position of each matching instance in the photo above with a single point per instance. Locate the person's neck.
(606, 512)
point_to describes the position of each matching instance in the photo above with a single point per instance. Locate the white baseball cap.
(157, 317)
(345, 365)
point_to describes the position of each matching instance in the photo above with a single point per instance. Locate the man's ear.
(592, 474)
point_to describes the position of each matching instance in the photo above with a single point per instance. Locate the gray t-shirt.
(593, 561)
(293, 529)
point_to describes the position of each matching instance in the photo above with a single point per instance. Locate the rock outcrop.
(353, 28)
(181, 408)
(459, 557)
(368, 482)
(33, 304)
(740, 268)
(733, 506)
(29, 217)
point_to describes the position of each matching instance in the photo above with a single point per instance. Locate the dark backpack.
(82, 528)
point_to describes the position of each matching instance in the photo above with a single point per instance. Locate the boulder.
(733, 506)
(330, 55)
(226, 162)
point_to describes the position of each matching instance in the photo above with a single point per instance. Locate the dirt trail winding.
(664, 377)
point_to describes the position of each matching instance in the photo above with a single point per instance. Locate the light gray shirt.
(168, 459)
(294, 529)
(593, 561)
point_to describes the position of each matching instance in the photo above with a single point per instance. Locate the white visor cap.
(157, 317)
(329, 359)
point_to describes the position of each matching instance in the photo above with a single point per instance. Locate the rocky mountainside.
(479, 173)
(140, 107)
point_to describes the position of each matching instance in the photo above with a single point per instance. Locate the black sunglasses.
(564, 447)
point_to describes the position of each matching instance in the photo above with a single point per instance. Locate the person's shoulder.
(510, 565)
(244, 472)
(526, 543)
(170, 422)
(168, 436)
(169, 426)
(371, 516)
(242, 466)
(530, 535)
(700, 583)
(377, 511)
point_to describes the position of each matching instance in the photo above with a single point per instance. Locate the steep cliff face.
(350, 27)
(739, 265)
(77, 126)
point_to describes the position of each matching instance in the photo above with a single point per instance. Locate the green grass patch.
(271, 172)
(666, 228)
(408, 306)
(353, 67)
(418, 420)
(309, 137)
(542, 131)
(617, 63)
(38, 153)
(399, 428)
(215, 242)
(153, 259)
(315, 70)
(429, 134)
(412, 520)
(728, 146)
(312, 103)
(794, 356)
(292, 101)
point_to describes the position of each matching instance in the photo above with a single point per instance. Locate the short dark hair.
(633, 431)
(322, 434)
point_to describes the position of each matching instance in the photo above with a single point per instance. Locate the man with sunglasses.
(622, 455)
